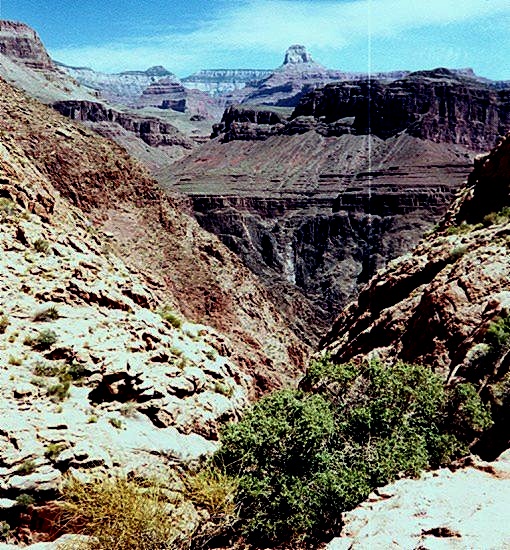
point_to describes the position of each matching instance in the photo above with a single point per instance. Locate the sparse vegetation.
(92, 419)
(15, 361)
(4, 323)
(169, 315)
(494, 218)
(223, 389)
(24, 500)
(47, 314)
(116, 423)
(53, 450)
(44, 340)
(7, 208)
(458, 252)
(42, 246)
(60, 391)
(26, 467)
(120, 513)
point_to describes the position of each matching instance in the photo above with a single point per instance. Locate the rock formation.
(221, 82)
(439, 105)
(22, 44)
(153, 139)
(124, 88)
(463, 508)
(168, 93)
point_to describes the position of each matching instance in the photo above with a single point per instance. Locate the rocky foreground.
(465, 507)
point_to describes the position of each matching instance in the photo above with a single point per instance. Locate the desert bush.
(49, 313)
(4, 323)
(44, 340)
(303, 457)
(120, 514)
(168, 315)
(42, 246)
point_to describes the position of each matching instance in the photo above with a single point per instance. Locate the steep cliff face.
(22, 44)
(152, 131)
(318, 214)
(443, 303)
(438, 105)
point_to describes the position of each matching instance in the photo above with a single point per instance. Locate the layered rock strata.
(124, 88)
(439, 304)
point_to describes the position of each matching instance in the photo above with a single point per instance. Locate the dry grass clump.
(123, 514)
(120, 514)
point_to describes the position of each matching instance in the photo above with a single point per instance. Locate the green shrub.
(168, 315)
(24, 500)
(53, 450)
(44, 340)
(4, 323)
(26, 467)
(60, 391)
(303, 457)
(48, 314)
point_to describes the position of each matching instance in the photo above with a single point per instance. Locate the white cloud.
(270, 26)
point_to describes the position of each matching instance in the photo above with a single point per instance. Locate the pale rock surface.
(464, 509)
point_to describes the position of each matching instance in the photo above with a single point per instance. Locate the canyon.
(146, 302)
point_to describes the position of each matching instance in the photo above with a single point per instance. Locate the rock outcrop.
(439, 105)
(221, 82)
(167, 93)
(152, 131)
(124, 88)
(462, 508)
(439, 304)
(22, 44)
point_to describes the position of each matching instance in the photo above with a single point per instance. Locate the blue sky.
(187, 35)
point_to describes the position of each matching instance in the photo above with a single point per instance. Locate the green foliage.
(24, 500)
(458, 251)
(26, 467)
(116, 423)
(462, 229)
(495, 218)
(48, 314)
(59, 391)
(498, 335)
(4, 323)
(303, 457)
(5, 530)
(223, 389)
(44, 340)
(7, 208)
(42, 246)
(53, 450)
(15, 361)
(168, 315)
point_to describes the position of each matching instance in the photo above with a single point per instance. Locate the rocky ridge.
(47, 82)
(220, 82)
(22, 44)
(124, 88)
